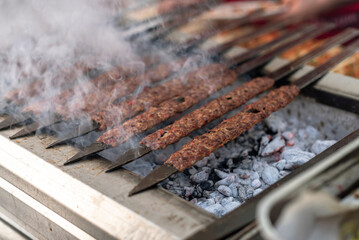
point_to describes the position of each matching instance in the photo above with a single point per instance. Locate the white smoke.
(43, 39)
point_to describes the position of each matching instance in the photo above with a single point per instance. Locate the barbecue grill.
(45, 199)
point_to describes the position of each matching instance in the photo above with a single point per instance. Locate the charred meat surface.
(209, 112)
(167, 109)
(230, 129)
(114, 114)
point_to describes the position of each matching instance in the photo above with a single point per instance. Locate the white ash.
(246, 166)
(319, 146)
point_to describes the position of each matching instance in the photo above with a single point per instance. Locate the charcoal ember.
(270, 175)
(288, 135)
(200, 177)
(217, 196)
(225, 190)
(246, 163)
(221, 174)
(230, 163)
(216, 209)
(182, 180)
(256, 183)
(206, 185)
(194, 200)
(276, 123)
(206, 203)
(273, 147)
(280, 164)
(296, 157)
(226, 200)
(226, 181)
(283, 173)
(319, 146)
(231, 206)
(250, 192)
(254, 176)
(257, 191)
(245, 182)
(264, 142)
(192, 170)
(198, 190)
(309, 135)
(203, 162)
(234, 188)
(188, 191)
(242, 195)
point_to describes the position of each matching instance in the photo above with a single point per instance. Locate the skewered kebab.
(100, 96)
(209, 112)
(35, 126)
(307, 33)
(99, 81)
(223, 26)
(88, 128)
(231, 128)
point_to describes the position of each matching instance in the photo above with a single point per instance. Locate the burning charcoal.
(192, 170)
(319, 146)
(206, 203)
(226, 181)
(206, 185)
(200, 177)
(226, 191)
(230, 163)
(275, 123)
(254, 175)
(234, 189)
(217, 196)
(246, 164)
(206, 169)
(283, 173)
(264, 142)
(256, 183)
(194, 201)
(309, 134)
(216, 209)
(231, 206)
(250, 193)
(182, 180)
(188, 191)
(203, 162)
(226, 200)
(296, 157)
(274, 146)
(242, 196)
(257, 191)
(288, 135)
(270, 175)
(280, 164)
(221, 174)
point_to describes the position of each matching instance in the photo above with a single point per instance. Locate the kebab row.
(105, 114)
(229, 129)
(210, 111)
(179, 102)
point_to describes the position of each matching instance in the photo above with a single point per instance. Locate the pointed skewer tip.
(155, 177)
(128, 157)
(87, 151)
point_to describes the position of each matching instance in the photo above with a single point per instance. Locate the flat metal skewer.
(276, 75)
(12, 120)
(87, 151)
(166, 170)
(32, 128)
(76, 132)
(246, 56)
